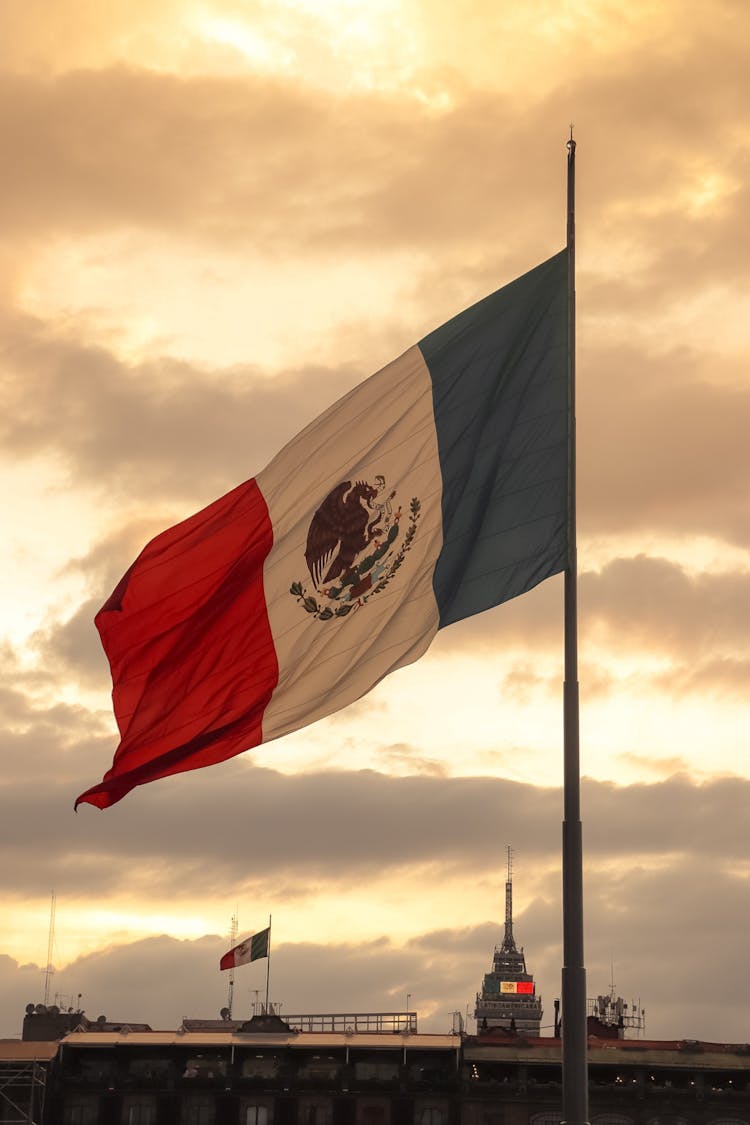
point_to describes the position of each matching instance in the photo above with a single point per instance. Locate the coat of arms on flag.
(351, 550)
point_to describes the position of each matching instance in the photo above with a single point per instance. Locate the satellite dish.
(29, 1009)
(225, 1013)
(53, 1010)
(40, 1009)
(101, 1019)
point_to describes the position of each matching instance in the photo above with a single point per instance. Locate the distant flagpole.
(268, 962)
(574, 1038)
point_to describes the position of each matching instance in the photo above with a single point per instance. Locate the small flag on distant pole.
(251, 949)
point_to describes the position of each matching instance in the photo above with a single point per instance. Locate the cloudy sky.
(219, 215)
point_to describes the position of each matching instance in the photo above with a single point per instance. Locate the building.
(264, 1073)
(267, 1073)
(508, 998)
(631, 1082)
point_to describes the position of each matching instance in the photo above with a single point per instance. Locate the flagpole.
(574, 1045)
(268, 962)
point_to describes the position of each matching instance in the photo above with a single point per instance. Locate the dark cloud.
(298, 822)
(43, 748)
(158, 429)
(660, 448)
(75, 648)
(653, 604)
(699, 622)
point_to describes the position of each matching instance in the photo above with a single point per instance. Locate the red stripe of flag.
(185, 626)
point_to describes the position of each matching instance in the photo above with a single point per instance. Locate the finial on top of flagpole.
(571, 145)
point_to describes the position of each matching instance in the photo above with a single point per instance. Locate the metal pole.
(233, 930)
(574, 1062)
(268, 962)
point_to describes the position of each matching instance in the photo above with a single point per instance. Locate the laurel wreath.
(324, 613)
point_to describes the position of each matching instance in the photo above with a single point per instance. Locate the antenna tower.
(233, 930)
(612, 1011)
(50, 948)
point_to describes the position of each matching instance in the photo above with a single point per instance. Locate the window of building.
(316, 1112)
(256, 1115)
(611, 1119)
(205, 1066)
(138, 1111)
(320, 1068)
(372, 1115)
(97, 1068)
(545, 1119)
(725, 1080)
(149, 1067)
(198, 1111)
(260, 1066)
(544, 1075)
(430, 1069)
(376, 1070)
(81, 1110)
(431, 1116)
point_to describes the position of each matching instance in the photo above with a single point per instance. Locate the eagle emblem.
(352, 549)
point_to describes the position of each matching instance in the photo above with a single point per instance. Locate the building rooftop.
(18, 1050)
(305, 1040)
(673, 1052)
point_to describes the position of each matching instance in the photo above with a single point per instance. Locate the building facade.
(255, 1077)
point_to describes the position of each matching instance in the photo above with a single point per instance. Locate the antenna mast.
(509, 941)
(50, 948)
(233, 929)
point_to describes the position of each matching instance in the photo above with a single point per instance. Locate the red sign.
(516, 986)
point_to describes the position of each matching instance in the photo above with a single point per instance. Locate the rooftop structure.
(612, 1017)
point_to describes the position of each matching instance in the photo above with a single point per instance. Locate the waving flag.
(432, 491)
(251, 949)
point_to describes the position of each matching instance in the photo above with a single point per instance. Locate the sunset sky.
(218, 216)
